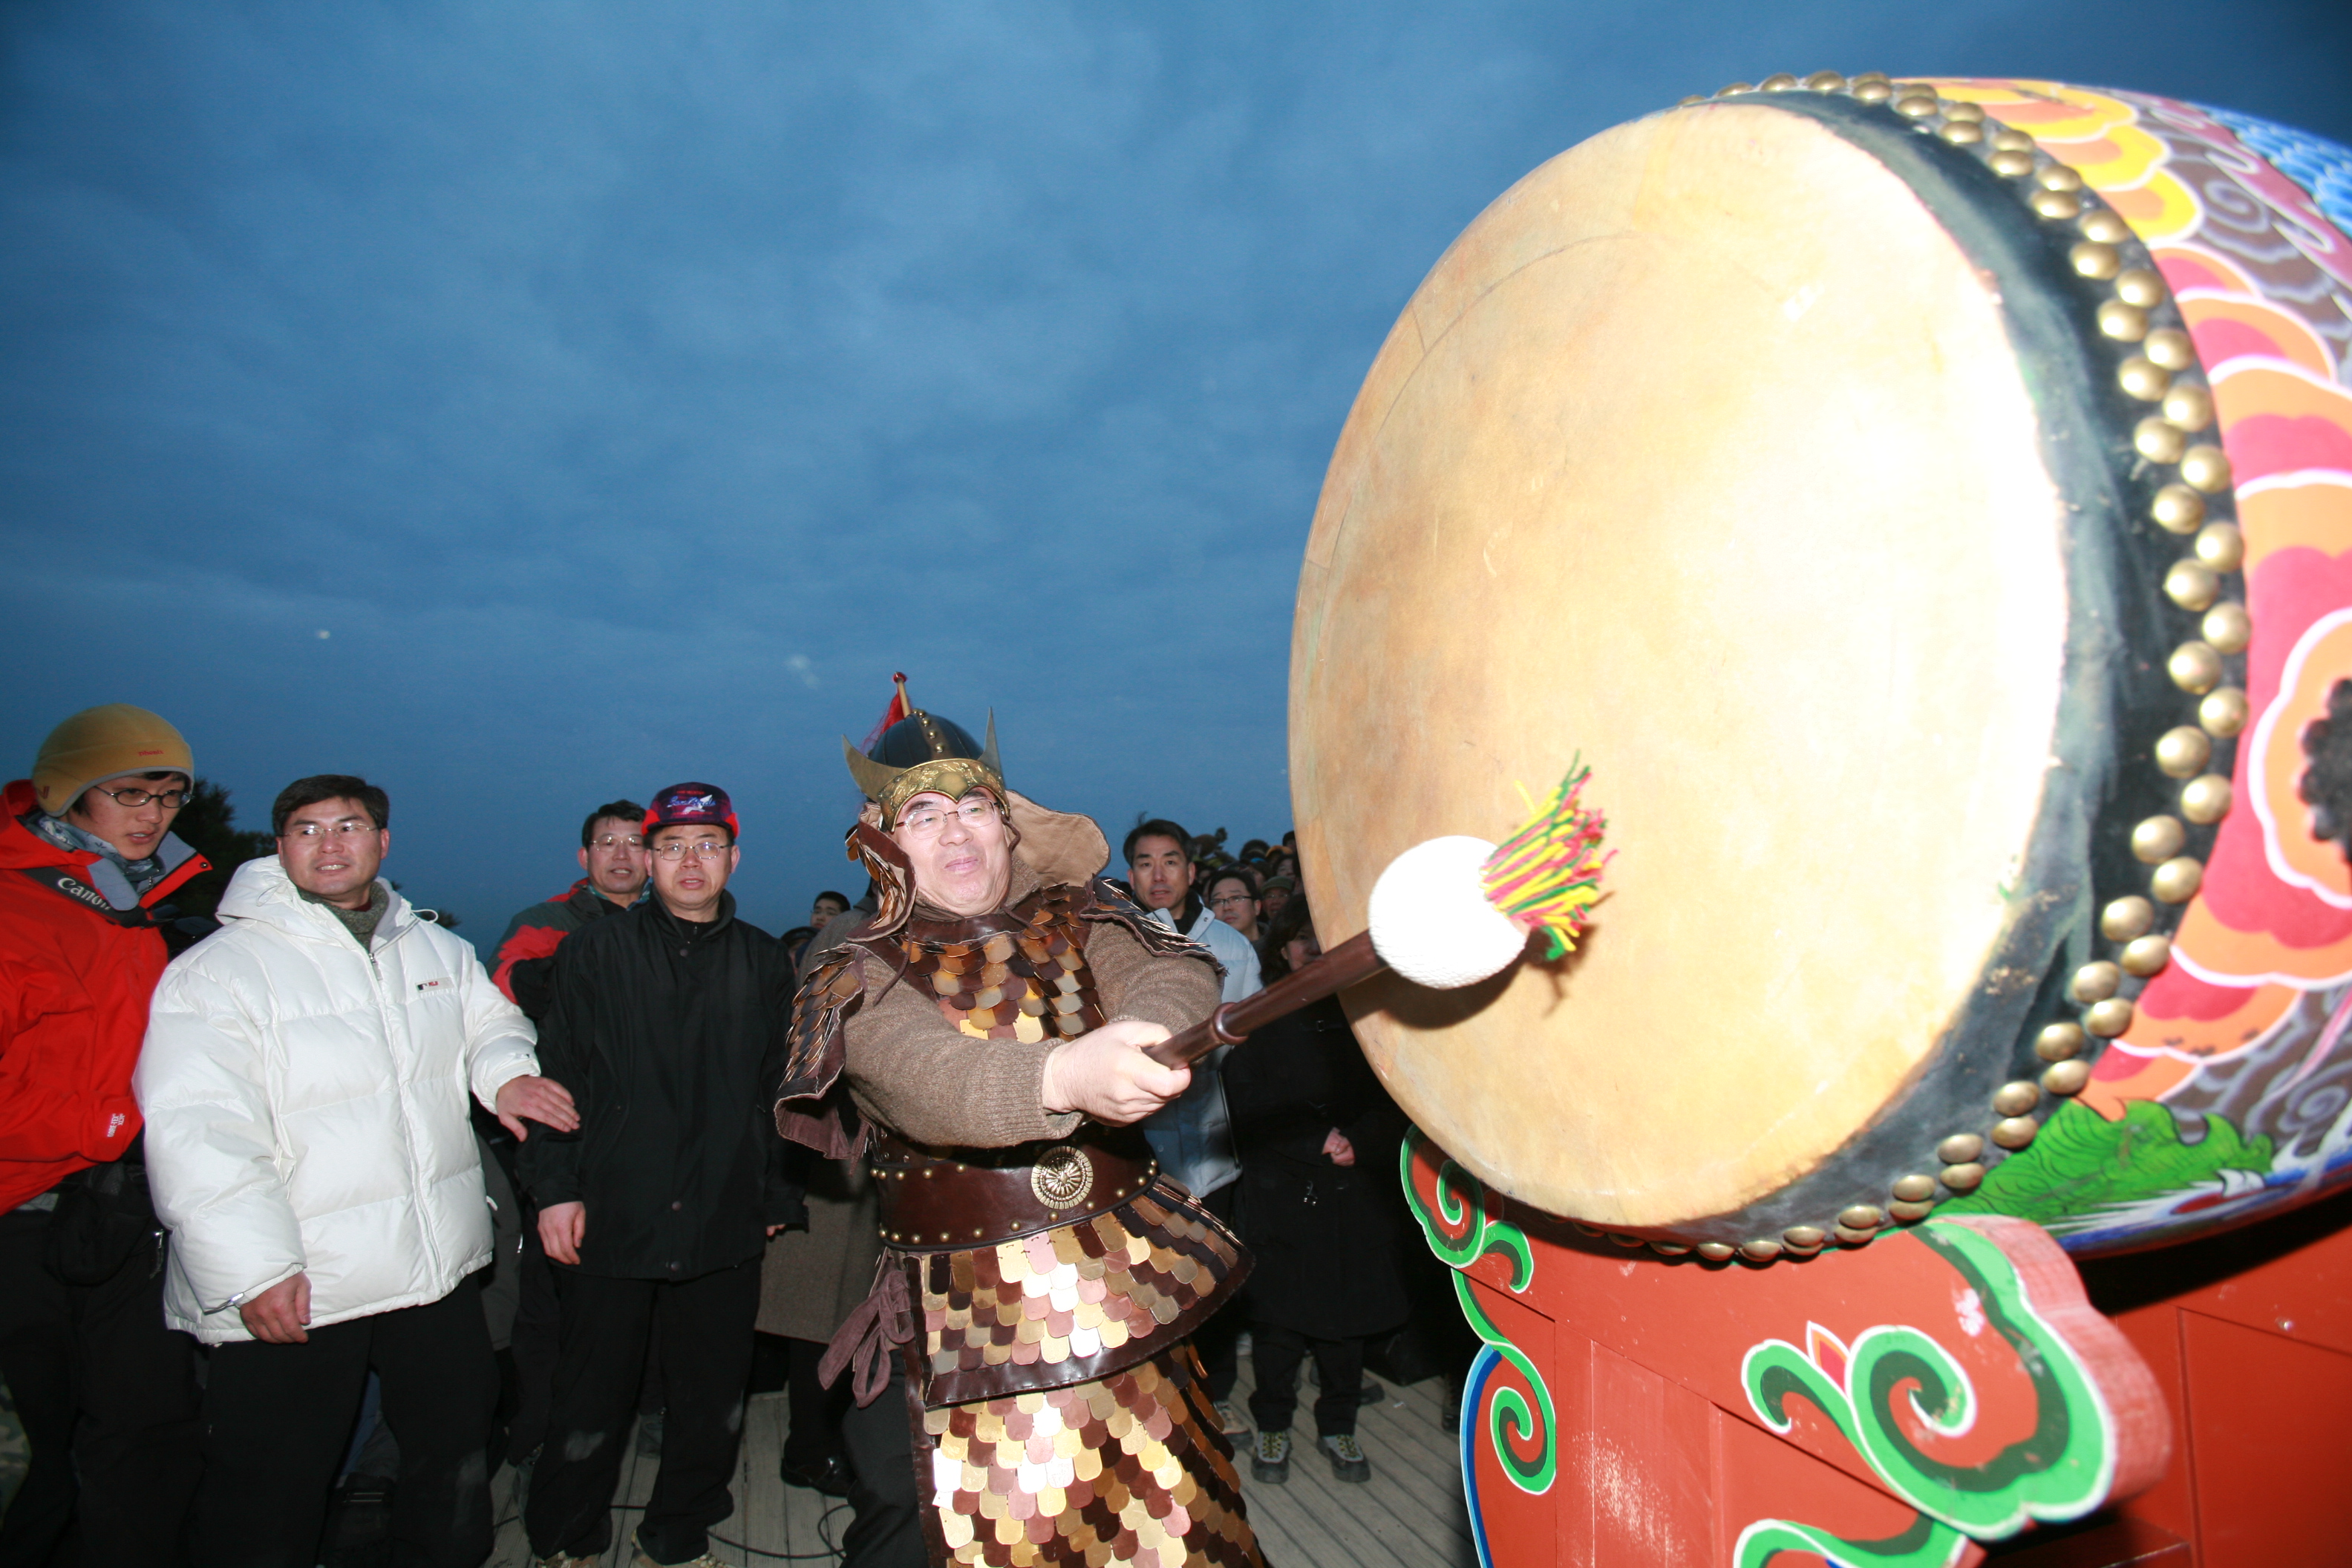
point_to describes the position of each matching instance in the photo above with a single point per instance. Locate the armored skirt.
(1040, 1275)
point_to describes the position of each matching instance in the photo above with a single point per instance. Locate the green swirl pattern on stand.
(2061, 1469)
(1460, 1233)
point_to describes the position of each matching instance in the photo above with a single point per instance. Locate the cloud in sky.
(627, 391)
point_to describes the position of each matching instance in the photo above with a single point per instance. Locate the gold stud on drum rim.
(1736, 88)
(2195, 666)
(2105, 226)
(2206, 469)
(2170, 347)
(1669, 1248)
(1861, 1217)
(2146, 955)
(1915, 104)
(2221, 546)
(2125, 323)
(1964, 1177)
(2015, 1132)
(2183, 752)
(2060, 177)
(1910, 1213)
(2138, 285)
(2206, 800)
(2191, 584)
(2156, 440)
(2188, 408)
(2107, 1019)
(1961, 133)
(1960, 1148)
(1717, 1251)
(1779, 81)
(2143, 378)
(2095, 982)
(2094, 258)
(2228, 628)
(1804, 1238)
(1967, 113)
(2015, 1098)
(2056, 206)
(2056, 1043)
(2178, 508)
(1825, 81)
(2223, 712)
(1913, 1189)
(2156, 840)
(2010, 162)
(1763, 1249)
(1872, 91)
(2127, 918)
(2065, 1079)
(2177, 881)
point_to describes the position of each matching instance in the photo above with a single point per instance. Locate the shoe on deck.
(1270, 1458)
(1348, 1461)
(827, 1475)
(1230, 1418)
(639, 1559)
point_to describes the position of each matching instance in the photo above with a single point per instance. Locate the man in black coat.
(667, 1023)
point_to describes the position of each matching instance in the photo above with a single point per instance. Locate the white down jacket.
(306, 1108)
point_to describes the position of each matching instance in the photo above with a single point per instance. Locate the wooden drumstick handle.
(1351, 962)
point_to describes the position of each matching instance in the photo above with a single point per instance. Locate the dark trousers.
(814, 1434)
(278, 1418)
(1218, 1341)
(103, 1390)
(1274, 1357)
(537, 1330)
(705, 1364)
(886, 1524)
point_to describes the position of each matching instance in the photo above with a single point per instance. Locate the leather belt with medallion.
(933, 1201)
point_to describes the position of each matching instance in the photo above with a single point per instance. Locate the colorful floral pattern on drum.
(2231, 1094)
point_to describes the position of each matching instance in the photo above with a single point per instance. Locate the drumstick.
(1446, 913)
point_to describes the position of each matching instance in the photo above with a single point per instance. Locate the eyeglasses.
(929, 821)
(131, 799)
(619, 841)
(709, 850)
(311, 832)
(1232, 899)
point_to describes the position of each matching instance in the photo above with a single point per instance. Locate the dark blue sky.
(526, 403)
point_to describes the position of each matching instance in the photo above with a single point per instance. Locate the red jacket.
(75, 977)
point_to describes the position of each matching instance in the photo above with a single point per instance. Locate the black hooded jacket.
(670, 1035)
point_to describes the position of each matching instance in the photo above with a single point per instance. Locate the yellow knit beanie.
(100, 743)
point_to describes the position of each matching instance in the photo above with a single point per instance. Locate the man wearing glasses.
(306, 1081)
(666, 1024)
(613, 856)
(105, 1392)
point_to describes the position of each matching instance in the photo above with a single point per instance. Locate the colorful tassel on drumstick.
(1546, 876)
(1454, 911)
(1447, 913)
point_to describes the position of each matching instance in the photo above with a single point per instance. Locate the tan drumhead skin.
(1702, 452)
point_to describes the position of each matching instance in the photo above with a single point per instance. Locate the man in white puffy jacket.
(304, 1082)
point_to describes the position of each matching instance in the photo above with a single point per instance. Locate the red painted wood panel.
(2270, 1480)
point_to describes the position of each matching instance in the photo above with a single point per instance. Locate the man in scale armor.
(980, 1038)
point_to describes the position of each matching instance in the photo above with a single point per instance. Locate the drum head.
(1704, 452)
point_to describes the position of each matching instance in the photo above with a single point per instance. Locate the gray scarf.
(122, 881)
(361, 923)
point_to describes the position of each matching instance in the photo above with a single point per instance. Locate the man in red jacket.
(104, 1390)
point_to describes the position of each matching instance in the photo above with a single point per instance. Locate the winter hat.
(100, 743)
(692, 804)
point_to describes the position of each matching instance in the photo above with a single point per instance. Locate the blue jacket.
(1192, 1135)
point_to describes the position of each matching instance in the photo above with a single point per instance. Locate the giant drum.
(1927, 509)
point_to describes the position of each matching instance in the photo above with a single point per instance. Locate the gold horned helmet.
(922, 753)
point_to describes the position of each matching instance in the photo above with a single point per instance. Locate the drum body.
(1846, 474)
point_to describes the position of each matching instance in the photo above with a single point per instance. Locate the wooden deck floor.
(1409, 1516)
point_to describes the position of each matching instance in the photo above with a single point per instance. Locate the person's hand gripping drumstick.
(1445, 914)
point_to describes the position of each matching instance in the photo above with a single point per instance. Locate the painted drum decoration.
(1927, 507)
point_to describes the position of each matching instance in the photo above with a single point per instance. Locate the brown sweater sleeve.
(1167, 989)
(912, 1071)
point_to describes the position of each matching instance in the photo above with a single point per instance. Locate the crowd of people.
(307, 1188)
